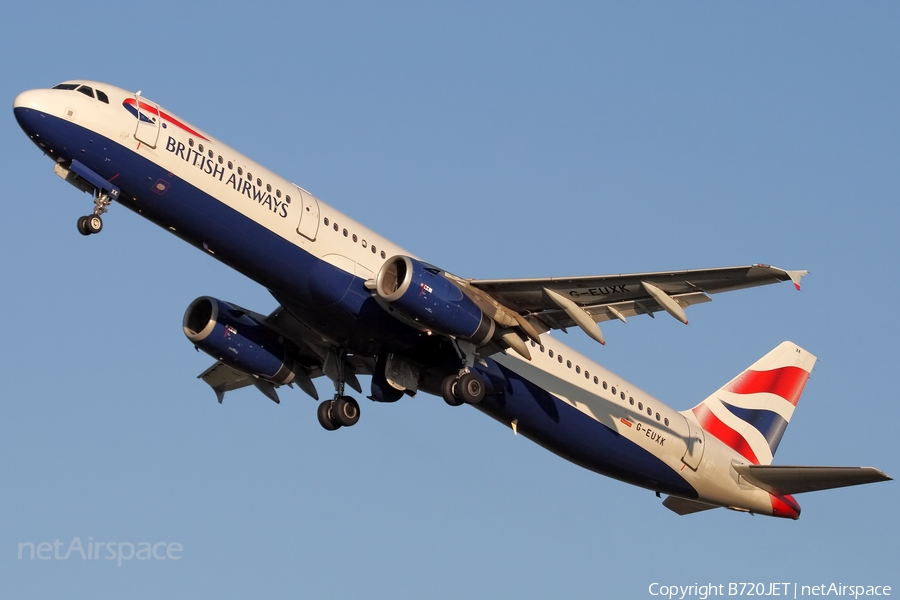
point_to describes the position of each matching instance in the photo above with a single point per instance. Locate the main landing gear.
(343, 411)
(464, 388)
(93, 223)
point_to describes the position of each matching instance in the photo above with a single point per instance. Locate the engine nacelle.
(420, 293)
(230, 334)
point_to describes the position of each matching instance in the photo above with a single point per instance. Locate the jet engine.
(235, 337)
(418, 292)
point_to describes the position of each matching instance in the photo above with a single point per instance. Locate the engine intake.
(231, 335)
(418, 292)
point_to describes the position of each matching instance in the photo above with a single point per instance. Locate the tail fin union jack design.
(751, 412)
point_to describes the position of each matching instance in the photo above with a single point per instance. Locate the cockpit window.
(86, 91)
(102, 97)
(65, 86)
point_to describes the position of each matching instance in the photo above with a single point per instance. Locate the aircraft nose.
(29, 99)
(30, 108)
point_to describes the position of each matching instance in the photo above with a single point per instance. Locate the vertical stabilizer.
(751, 412)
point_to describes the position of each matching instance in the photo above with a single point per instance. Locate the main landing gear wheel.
(470, 388)
(448, 391)
(324, 414)
(90, 224)
(343, 411)
(467, 388)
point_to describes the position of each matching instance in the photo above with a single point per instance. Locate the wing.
(559, 303)
(311, 359)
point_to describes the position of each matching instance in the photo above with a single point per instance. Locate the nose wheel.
(90, 224)
(93, 223)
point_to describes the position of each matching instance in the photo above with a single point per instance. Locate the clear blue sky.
(496, 140)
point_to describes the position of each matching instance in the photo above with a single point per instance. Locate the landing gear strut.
(465, 388)
(93, 223)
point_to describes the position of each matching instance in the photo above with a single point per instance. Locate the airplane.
(351, 303)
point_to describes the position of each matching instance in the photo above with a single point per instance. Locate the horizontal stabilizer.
(683, 506)
(781, 480)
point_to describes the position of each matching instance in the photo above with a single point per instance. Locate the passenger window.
(86, 91)
(577, 369)
(657, 416)
(666, 421)
(325, 221)
(569, 364)
(631, 401)
(550, 353)
(596, 379)
(382, 252)
(614, 390)
(102, 97)
(604, 385)
(649, 411)
(354, 238)
(640, 406)
(559, 358)
(622, 395)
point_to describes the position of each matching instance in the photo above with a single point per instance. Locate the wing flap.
(781, 479)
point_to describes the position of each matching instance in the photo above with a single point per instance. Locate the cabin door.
(308, 226)
(148, 122)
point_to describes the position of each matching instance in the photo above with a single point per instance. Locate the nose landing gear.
(87, 180)
(90, 224)
(93, 223)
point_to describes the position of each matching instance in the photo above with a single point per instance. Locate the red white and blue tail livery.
(350, 302)
(751, 412)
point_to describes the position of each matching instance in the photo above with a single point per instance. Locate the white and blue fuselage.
(319, 261)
